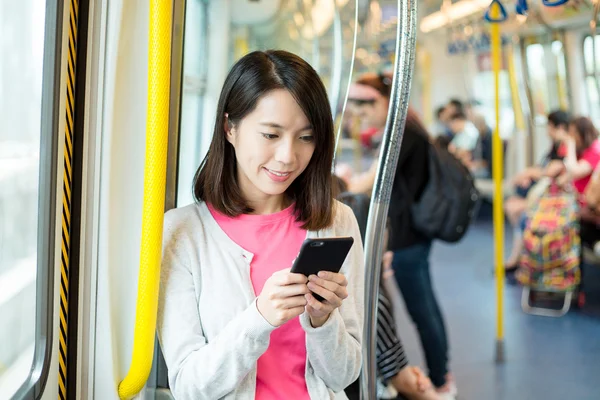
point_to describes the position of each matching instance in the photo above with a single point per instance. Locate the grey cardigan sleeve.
(199, 369)
(334, 349)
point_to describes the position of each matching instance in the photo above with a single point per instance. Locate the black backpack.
(448, 203)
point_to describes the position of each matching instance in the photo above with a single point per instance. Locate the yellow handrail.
(497, 159)
(514, 92)
(155, 173)
(427, 107)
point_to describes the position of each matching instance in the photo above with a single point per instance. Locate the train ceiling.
(573, 13)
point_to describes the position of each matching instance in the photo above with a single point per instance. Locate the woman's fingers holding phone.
(330, 298)
(285, 277)
(331, 281)
(282, 297)
(283, 292)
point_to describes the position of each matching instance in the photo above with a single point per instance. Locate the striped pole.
(66, 203)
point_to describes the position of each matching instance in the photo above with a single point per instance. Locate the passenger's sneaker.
(449, 391)
(446, 396)
(451, 384)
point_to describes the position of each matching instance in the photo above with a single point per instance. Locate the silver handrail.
(336, 69)
(341, 125)
(406, 39)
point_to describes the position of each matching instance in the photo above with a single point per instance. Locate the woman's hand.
(554, 168)
(332, 287)
(283, 297)
(522, 179)
(388, 258)
(563, 180)
(414, 384)
(561, 135)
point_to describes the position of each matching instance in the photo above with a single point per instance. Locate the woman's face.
(273, 146)
(375, 114)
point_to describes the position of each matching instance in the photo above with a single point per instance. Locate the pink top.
(592, 156)
(275, 241)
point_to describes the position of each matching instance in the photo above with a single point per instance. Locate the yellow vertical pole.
(426, 82)
(497, 160)
(155, 176)
(514, 91)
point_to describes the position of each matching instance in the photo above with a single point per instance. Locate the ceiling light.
(452, 13)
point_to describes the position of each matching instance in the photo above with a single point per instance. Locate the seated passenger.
(439, 128)
(465, 138)
(515, 206)
(582, 154)
(581, 148)
(481, 163)
(589, 230)
(233, 321)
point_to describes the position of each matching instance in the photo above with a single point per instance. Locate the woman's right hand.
(283, 297)
(554, 168)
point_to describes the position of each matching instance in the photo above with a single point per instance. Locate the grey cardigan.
(210, 330)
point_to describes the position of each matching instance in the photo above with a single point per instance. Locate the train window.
(192, 144)
(591, 82)
(482, 90)
(558, 51)
(538, 76)
(28, 78)
(546, 66)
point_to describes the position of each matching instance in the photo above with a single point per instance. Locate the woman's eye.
(308, 139)
(269, 136)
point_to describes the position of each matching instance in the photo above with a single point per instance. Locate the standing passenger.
(410, 248)
(233, 321)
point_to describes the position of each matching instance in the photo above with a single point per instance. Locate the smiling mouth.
(277, 173)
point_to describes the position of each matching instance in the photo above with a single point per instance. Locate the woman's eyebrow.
(277, 126)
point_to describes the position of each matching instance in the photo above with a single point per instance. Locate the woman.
(582, 154)
(233, 322)
(515, 206)
(410, 249)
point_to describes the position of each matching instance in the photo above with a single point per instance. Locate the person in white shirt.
(233, 321)
(465, 133)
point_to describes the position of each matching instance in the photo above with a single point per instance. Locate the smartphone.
(322, 254)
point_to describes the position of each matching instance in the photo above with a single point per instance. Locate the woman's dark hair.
(458, 115)
(586, 130)
(253, 76)
(459, 105)
(559, 118)
(380, 82)
(439, 111)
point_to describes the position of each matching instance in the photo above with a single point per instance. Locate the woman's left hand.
(332, 287)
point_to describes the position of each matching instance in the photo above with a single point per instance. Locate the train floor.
(546, 358)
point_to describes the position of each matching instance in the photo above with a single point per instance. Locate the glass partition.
(27, 190)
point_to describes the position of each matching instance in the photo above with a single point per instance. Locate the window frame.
(34, 385)
(595, 115)
(556, 36)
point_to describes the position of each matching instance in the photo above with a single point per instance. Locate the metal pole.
(497, 159)
(335, 84)
(406, 35)
(352, 57)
